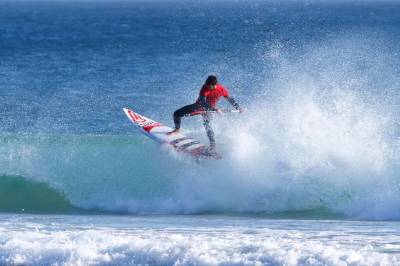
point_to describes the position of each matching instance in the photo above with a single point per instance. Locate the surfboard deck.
(159, 133)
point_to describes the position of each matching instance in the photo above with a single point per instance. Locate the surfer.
(210, 94)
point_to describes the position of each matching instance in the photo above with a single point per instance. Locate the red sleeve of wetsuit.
(224, 91)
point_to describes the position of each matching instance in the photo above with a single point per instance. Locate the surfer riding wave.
(209, 96)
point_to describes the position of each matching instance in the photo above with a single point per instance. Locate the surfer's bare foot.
(175, 131)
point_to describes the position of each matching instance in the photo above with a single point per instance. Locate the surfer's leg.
(178, 114)
(209, 130)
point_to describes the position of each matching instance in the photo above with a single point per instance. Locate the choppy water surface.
(204, 240)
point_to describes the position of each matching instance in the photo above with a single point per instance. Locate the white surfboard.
(159, 133)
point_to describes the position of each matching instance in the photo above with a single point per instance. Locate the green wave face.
(132, 174)
(18, 194)
(89, 172)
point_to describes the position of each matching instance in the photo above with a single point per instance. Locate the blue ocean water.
(319, 138)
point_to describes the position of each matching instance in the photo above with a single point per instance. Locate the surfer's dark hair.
(211, 80)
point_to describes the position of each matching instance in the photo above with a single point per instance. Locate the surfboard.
(159, 133)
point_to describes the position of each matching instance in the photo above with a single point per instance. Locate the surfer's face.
(212, 86)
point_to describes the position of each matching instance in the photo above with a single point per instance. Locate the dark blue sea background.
(69, 66)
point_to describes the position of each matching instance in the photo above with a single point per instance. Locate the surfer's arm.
(233, 103)
(205, 105)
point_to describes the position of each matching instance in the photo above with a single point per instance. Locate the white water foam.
(195, 241)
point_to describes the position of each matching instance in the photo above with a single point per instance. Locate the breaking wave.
(308, 155)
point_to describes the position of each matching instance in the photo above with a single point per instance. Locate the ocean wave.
(18, 195)
(308, 154)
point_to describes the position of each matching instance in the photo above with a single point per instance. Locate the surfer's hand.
(219, 111)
